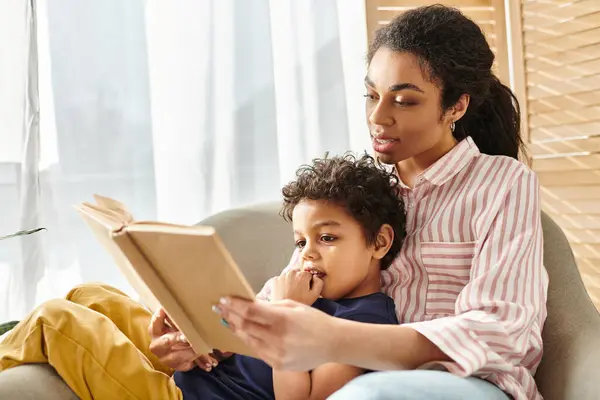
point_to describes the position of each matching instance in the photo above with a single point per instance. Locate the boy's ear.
(383, 242)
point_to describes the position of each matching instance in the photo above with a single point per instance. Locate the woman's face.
(403, 109)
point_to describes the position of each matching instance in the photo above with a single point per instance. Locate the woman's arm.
(389, 347)
(292, 336)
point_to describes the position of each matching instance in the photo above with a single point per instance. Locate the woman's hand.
(297, 285)
(170, 346)
(285, 334)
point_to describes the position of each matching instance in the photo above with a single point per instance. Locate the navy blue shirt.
(246, 378)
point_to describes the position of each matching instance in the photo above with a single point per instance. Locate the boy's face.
(332, 245)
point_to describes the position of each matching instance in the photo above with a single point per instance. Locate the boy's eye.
(300, 243)
(327, 238)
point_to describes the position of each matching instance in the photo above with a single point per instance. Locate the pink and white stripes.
(470, 276)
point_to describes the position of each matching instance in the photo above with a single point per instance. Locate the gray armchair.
(260, 242)
(571, 361)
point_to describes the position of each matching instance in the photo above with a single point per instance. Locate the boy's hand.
(173, 349)
(297, 285)
(169, 345)
(209, 361)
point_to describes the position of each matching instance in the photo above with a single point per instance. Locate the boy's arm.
(320, 383)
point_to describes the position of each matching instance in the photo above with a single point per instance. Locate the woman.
(469, 284)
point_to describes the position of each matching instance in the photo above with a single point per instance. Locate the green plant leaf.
(22, 233)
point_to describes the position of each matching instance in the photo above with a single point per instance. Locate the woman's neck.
(409, 169)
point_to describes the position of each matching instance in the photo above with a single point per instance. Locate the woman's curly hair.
(368, 192)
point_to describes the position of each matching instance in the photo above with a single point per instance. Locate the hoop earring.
(452, 126)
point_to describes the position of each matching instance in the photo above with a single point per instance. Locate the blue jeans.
(420, 384)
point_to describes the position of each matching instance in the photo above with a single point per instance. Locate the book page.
(115, 206)
(104, 226)
(149, 226)
(111, 219)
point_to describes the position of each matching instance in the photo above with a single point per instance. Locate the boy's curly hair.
(361, 185)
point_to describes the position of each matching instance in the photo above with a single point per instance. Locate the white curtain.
(180, 109)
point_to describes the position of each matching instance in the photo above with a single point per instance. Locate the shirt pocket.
(448, 269)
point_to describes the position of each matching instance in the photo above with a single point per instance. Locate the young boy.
(348, 225)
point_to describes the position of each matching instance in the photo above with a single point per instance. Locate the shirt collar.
(450, 164)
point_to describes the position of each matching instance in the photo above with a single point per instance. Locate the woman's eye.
(327, 238)
(404, 103)
(371, 97)
(300, 243)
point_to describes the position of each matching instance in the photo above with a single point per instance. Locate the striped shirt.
(470, 275)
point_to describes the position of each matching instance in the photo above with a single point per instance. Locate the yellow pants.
(97, 340)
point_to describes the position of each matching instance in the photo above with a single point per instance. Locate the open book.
(184, 269)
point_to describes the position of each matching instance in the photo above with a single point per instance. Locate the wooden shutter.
(488, 14)
(561, 53)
